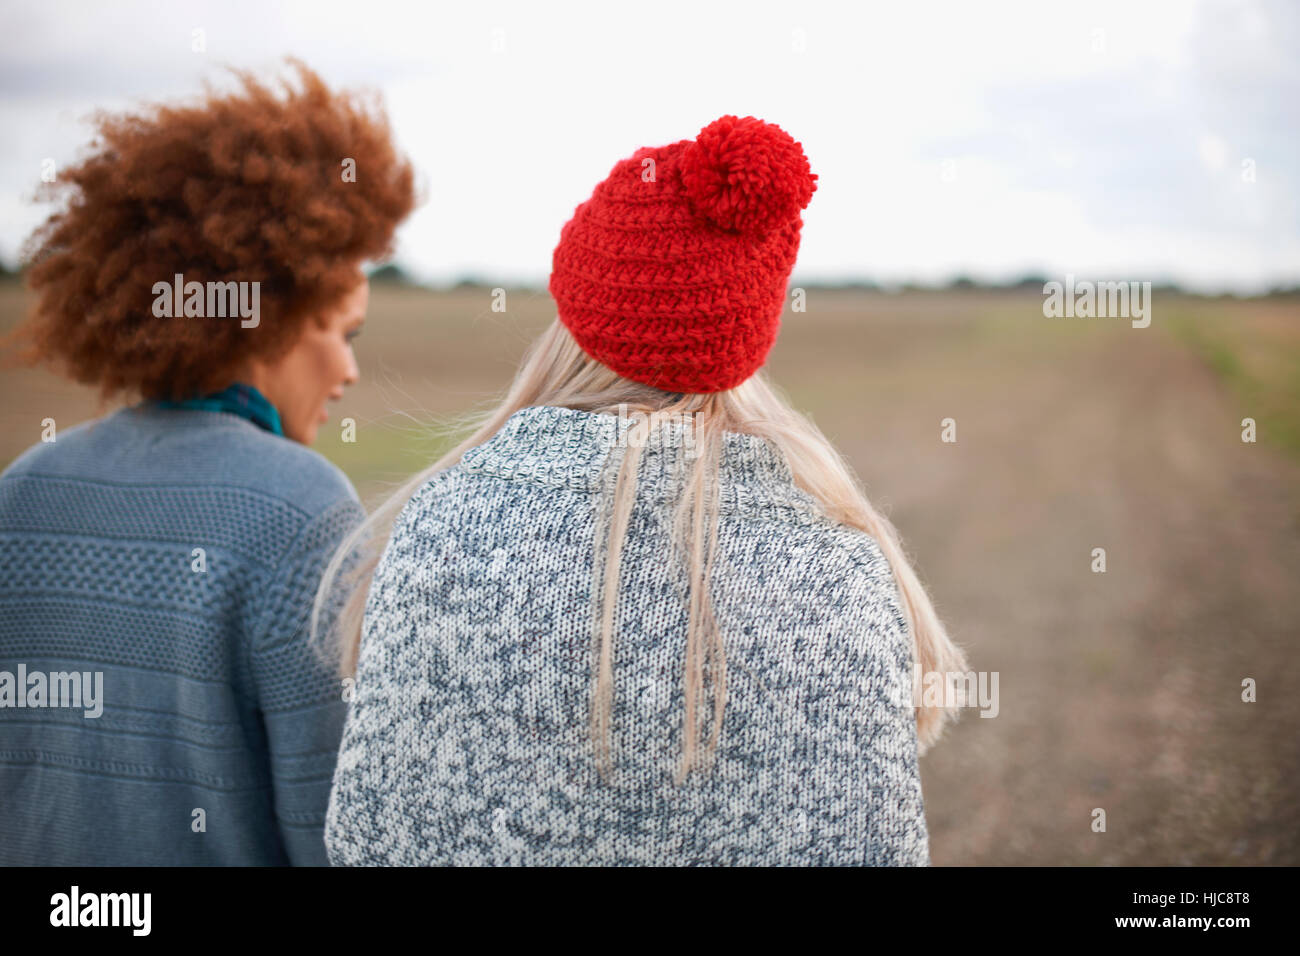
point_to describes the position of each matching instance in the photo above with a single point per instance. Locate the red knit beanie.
(674, 272)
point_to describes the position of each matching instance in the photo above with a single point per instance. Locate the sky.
(1141, 141)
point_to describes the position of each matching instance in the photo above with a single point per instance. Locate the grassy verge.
(1255, 349)
(383, 455)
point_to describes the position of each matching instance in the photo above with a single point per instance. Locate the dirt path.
(1119, 690)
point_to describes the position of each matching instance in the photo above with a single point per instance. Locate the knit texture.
(467, 741)
(211, 699)
(674, 272)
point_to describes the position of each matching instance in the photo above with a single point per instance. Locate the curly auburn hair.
(247, 187)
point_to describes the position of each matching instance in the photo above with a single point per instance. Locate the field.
(1119, 691)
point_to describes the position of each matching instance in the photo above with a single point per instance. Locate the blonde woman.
(644, 614)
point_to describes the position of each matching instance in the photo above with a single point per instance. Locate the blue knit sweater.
(171, 556)
(467, 741)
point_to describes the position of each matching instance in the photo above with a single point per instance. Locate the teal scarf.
(239, 399)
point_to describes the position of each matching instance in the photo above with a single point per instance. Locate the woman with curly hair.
(644, 613)
(159, 702)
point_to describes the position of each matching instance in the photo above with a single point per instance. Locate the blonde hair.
(556, 372)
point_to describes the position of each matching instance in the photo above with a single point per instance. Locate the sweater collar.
(568, 448)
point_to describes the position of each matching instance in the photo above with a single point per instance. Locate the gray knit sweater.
(467, 741)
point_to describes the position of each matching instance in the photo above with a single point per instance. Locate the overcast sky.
(1115, 140)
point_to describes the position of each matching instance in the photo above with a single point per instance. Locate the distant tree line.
(392, 274)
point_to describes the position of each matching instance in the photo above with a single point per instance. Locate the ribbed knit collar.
(566, 448)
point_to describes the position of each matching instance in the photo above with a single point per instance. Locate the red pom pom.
(746, 176)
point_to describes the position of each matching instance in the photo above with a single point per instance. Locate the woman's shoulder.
(818, 569)
(809, 538)
(187, 451)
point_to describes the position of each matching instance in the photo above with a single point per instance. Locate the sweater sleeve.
(300, 701)
(883, 720)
